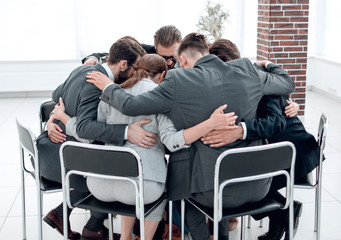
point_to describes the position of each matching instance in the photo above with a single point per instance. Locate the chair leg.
(111, 229)
(317, 225)
(142, 235)
(170, 221)
(182, 219)
(23, 204)
(291, 219)
(242, 230)
(39, 206)
(215, 224)
(65, 220)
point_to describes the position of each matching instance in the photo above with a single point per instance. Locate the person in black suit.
(82, 99)
(166, 40)
(276, 121)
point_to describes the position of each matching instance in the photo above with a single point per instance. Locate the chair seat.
(262, 206)
(47, 185)
(92, 203)
(306, 182)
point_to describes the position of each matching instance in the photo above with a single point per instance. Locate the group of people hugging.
(192, 98)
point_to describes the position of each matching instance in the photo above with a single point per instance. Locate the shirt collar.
(108, 70)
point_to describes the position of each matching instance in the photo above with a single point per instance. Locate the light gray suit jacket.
(153, 162)
(189, 96)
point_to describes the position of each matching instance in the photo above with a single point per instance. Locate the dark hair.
(125, 49)
(225, 50)
(131, 38)
(147, 66)
(166, 36)
(194, 41)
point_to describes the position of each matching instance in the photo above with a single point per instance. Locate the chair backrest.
(27, 139)
(99, 159)
(46, 108)
(322, 131)
(251, 161)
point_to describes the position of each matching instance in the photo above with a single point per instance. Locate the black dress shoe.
(276, 226)
(298, 206)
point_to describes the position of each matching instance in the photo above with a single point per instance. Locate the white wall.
(27, 78)
(67, 30)
(42, 38)
(324, 76)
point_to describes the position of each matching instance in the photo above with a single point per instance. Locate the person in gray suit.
(188, 96)
(82, 100)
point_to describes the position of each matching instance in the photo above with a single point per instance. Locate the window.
(72, 29)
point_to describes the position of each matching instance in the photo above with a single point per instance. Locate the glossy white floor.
(27, 110)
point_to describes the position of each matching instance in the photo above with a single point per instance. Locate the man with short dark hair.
(188, 96)
(166, 40)
(81, 99)
(224, 49)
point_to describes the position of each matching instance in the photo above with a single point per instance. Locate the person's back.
(211, 83)
(75, 88)
(154, 166)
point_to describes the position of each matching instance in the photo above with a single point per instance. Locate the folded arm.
(175, 140)
(270, 120)
(276, 81)
(87, 125)
(93, 58)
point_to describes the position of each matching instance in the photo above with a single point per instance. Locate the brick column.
(283, 38)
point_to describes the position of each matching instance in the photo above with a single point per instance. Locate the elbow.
(292, 86)
(81, 132)
(282, 125)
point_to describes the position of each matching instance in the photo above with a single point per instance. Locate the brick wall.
(282, 37)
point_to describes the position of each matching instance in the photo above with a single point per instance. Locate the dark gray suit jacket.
(81, 99)
(188, 97)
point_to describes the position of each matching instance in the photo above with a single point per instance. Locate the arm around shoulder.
(276, 81)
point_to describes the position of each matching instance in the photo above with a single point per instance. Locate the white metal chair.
(317, 185)
(107, 162)
(249, 164)
(27, 144)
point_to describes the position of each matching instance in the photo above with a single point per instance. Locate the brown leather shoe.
(92, 235)
(53, 219)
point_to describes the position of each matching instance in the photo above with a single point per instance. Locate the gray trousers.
(124, 191)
